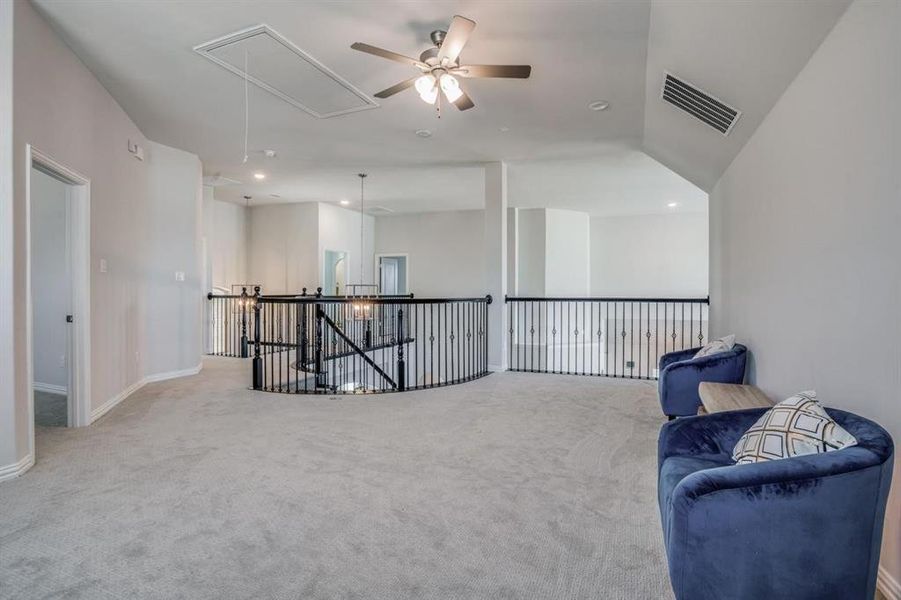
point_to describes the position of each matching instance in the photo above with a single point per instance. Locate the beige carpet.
(513, 486)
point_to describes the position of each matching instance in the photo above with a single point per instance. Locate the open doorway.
(393, 273)
(57, 201)
(334, 276)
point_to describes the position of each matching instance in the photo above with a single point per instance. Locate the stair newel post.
(244, 301)
(401, 366)
(257, 359)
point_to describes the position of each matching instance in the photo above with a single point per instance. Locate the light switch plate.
(103, 266)
(179, 276)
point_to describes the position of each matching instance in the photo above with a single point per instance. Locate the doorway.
(57, 209)
(393, 274)
(334, 276)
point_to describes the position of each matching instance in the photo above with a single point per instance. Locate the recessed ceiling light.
(274, 196)
(599, 105)
(672, 204)
(503, 129)
(345, 202)
(424, 133)
(270, 153)
(259, 176)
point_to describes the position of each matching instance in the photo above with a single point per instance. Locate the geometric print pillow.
(794, 427)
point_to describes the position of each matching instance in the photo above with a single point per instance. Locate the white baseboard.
(112, 402)
(173, 374)
(16, 469)
(49, 388)
(888, 585)
(156, 377)
(496, 368)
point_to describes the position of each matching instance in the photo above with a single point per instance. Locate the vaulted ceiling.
(746, 53)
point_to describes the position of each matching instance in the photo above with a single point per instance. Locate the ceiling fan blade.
(388, 54)
(464, 102)
(512, 71)
(456, 37)
(397, 88)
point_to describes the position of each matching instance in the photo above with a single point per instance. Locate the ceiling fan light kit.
(440, 66)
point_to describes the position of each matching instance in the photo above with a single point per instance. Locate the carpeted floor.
(513, 486)
(50, 410)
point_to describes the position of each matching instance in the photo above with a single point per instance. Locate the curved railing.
(354, 345)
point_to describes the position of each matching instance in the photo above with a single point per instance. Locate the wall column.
(496, 262)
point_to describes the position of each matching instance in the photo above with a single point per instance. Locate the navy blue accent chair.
(680, 374)
(806, 528)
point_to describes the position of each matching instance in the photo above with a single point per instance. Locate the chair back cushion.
(797, 426)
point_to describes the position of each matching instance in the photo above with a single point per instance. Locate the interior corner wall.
(226, 232)
(804, 231)
(284, 247)
(172, 245)
(654, 256)
(62, 110)
(11, 447)
(447, 250)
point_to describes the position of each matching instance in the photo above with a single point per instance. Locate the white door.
(388, 271)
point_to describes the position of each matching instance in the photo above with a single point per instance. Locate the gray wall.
(447, 250)
(60, 108)
(804, 233)
(50, 288)
(650, 255)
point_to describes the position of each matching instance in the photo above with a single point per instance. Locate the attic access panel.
(284, 70)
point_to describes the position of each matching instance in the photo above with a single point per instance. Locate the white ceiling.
(744, 52)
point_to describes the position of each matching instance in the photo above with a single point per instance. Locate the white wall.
(50, 287)
(60, 108)
(226, 233)
(447, 250)
(531, 240)
(654, 256)
(172, 229)
(284, 245)
(567, 253)
(339, 230)
(804, 234)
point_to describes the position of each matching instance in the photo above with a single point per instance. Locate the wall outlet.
(62, 361)
(179, 276)
(103, 265)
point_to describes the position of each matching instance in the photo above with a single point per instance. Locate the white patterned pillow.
(794, 427)
(724, 344)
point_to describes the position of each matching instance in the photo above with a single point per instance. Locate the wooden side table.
(720, 397)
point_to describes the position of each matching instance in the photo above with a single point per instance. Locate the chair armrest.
(677, 356)
(714, 434)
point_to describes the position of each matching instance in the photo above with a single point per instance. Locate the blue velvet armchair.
(808, 527)
(680, 374)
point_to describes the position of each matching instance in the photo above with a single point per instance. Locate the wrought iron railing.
(230, 319)
(335, 345)
(613, 337)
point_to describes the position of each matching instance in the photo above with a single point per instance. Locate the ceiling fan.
(440, 66)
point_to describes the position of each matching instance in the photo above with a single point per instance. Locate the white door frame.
(378, 274)
(79, 255)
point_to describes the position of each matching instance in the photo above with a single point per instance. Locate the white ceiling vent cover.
(378, 210)
(699, 104)
(284, 70)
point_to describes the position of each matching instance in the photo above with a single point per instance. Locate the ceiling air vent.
(378, 210)
(281, 68)
(699, 104)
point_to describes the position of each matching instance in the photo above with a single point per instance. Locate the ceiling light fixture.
(599, 105)
(259, 176)
(451, 87)
(427, 89)
(672, 204)
(345, 202)
(270, 153)
(424, 133)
